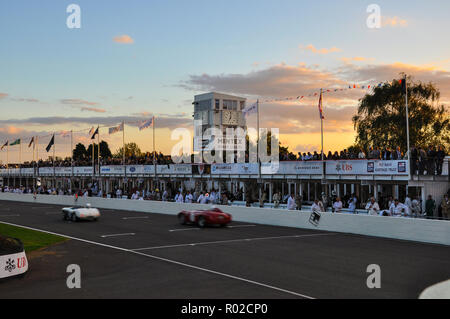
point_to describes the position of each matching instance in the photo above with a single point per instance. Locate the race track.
(138, 255)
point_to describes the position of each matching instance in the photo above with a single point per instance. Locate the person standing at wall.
(445, 206)
(291, 203)
(430, 206)
(372, 207)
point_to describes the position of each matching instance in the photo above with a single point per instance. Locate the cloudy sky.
(134, 59)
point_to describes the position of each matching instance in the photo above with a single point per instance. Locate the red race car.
(202, 218)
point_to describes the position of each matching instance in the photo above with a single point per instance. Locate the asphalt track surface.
(138, 255)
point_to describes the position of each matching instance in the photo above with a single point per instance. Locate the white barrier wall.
(429, 231)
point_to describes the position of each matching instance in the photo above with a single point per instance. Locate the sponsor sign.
(13, 265)
(367, 167)
(82, 170)
(292, 168)
(63, 170)
(112, 170)
(235, 169)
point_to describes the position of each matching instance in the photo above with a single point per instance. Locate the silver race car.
(81, 213)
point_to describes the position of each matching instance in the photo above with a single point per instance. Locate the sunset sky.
(134, 59)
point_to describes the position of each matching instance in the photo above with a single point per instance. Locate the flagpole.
(71, 159)
(407, 131)
(123, 142)
(321, 120)
(54, 159)
(257, 143)
(20, 163)
(154, 148)
(98, 150)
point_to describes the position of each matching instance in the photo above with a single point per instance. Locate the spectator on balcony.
(440, 156)
(397, 154)
(372, 207)
(423, 160)
(361, 154)
(431, 160)
(386, 155)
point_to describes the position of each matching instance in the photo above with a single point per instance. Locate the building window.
(230, 105)
(217, 104)
(242, 105)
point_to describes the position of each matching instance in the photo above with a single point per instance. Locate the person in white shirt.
(291, 205)
(352, 204)
(179, 198)
(372, 207)
(189, 198)
(317, 207)
(398, 209)
(203, 199)
(165, 196)
(337, 206)
(416, 210)
(408, 203)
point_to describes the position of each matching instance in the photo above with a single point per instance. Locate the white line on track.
(184, 229)
(127, 218)
(230, 241)
(17, 215)
(117, 235)
(241, 226)
(171, 262)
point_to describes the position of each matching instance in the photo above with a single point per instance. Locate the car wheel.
(182, 219)
(74, 217)
(65, 216)
(201, 222)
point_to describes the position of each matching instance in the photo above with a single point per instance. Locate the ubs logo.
(344, 167)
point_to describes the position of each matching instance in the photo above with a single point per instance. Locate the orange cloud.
(314, 50)
(123, 39)
(11, 130)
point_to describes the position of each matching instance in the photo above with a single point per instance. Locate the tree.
(381, 117)
(131, 150)
(105, 152)
(79, 153)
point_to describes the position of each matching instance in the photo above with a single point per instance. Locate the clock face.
(230, 118)
(226, 117)
(234, 118)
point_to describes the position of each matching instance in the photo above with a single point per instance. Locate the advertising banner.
(13, 265)
(377, 167)
(234, 169)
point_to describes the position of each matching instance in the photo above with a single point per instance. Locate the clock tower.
(216, 110)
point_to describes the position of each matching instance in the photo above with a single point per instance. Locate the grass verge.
(32, 240)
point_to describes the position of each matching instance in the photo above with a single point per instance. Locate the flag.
(4, 145)
(16, 142)
(320, 107)
(250, 110)
(116, 129)
(91, 131)
(31, 142)
(95, 134)
(145, 124)
(52, 142)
